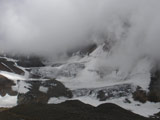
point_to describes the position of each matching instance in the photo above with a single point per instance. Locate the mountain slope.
(69, 110)
(93, 76)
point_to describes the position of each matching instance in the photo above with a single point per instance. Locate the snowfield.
(97, 70)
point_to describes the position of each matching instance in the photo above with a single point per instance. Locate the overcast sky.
(52, 26)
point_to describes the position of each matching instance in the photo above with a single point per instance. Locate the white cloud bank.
(48, 26)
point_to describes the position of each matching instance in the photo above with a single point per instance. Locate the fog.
(49, 27)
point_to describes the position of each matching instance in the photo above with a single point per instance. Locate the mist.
(50, 27)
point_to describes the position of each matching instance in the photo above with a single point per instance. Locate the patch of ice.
(9, 59)
(26, 73)
(58, 100)
(12, 76)
(95, 76)
(7, 66)
(23, 87)
(43, 89)
(8, 101)
(47, 71)
(15, 87)
(147, 109)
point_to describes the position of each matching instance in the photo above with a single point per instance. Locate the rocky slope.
(28, 80)
(69, 110)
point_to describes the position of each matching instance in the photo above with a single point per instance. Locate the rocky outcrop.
(153, 94)
(71, 70)
(66, 70)
(140, 95)
(6, 86)
(25, 61)
(106, 93)
(156, 116)
(83, 50)
(69, 110)
(30, 61)
(42, 91)
(9, 66)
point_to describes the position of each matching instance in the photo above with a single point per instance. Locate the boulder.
(153, 95)
(154, 88)
(42, 91)
(6, 86)
(140, 95)
(9, 66)
(106, 93)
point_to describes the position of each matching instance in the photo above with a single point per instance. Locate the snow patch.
(58, 100)
(12, 76)
(43, 89)
(147, 109)
(23, 87)
(8, 101)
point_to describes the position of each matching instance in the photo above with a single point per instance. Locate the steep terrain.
(28, 80)
(69, 110)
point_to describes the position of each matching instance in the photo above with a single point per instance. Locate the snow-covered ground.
(12, 76)
(96, 75)
(8, 101)
(43, 89)
(99, 69)
(145, 109)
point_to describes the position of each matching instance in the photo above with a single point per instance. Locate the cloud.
(53, 26)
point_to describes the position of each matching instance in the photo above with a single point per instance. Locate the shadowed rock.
(69, 110)
(106, 93)
(6, 86)
(140, 95)
(42, 91)
(30, 62)
(82, 50)
(9, 66)
(154, 89)
(154, 94)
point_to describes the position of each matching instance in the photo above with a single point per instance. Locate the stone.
(6, 86)
(35, 95)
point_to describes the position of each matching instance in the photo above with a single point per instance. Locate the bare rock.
(9, 66)
(42, 91)
(140, 95)
(6, 86)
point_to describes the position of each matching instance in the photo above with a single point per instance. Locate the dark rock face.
(57, 64)
(26, 61)
(30, 62)
(69, 110)
(66, 70)
(82, 50)
(154, 94)
(140, 95)
(6, 86)
(106, 93)
(36, 95)
(9, 66)
(154, 89)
